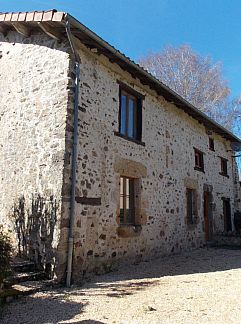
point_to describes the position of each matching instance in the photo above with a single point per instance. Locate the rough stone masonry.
(36, 122)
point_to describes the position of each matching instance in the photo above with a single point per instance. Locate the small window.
(191, 206)
(211, 144)
(127, 201)
(130, 116)
(199, 162)
(224, 167)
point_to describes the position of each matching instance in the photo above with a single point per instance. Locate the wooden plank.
(88, 201)
(22, 29)
(50, 31)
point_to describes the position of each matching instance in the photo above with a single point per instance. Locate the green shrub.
(5, 253)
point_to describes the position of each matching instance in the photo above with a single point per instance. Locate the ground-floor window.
(191, 205)
(127, 200)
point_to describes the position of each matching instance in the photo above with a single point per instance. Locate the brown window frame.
(211, 144)
(137, 98)
(199, 160)
(125, 218)
(224, 167)
(191, 198)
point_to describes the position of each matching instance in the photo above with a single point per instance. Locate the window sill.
(224, 174)
(129, 139)
(199, 169)
(127, 230)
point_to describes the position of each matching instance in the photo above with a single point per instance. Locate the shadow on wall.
(34, 223)
(41, 309)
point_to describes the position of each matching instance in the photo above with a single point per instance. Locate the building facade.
(153, 175)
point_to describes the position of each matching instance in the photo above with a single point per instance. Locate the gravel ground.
(203, 286)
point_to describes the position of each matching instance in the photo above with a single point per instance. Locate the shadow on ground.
(132, 278)
(59, 306)
(41, 310)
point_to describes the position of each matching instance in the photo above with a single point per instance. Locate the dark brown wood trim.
(199, 151)
(22, 28)
(129, 139)
(88, 201)
(222, 158)
(224, 174)
(130, 90)
(52, 32)
(199, 169)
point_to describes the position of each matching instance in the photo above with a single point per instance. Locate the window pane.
(191, 205)
(121, 202)
(135, 119)
(130, 216)
(197, 159)
(131, 219)
(127, 199)
(121, 186)
(121, 216)
(224, 168)
(131, 118)
(127, 186)
(123, 115)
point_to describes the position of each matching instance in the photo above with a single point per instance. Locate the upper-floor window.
(127, 201)
(199, 161)
(130, 115)
(211, 144)
(224, 167)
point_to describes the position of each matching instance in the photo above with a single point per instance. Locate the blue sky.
(137, 27)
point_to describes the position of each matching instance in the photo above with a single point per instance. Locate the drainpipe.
(74, 154)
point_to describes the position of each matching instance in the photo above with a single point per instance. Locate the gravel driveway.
(203, 286)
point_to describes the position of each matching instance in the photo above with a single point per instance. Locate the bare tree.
(192, 76)
(199, 81)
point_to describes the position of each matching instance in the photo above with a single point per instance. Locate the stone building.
(153, 175)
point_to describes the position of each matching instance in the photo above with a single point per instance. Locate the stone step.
(24, 289)
(20, 277)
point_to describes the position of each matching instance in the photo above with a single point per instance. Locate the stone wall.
(165, 167)
(36, 122)
(34, 77)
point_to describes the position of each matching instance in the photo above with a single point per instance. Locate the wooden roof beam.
(50, 31)
(4, 30)
(21, 28)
